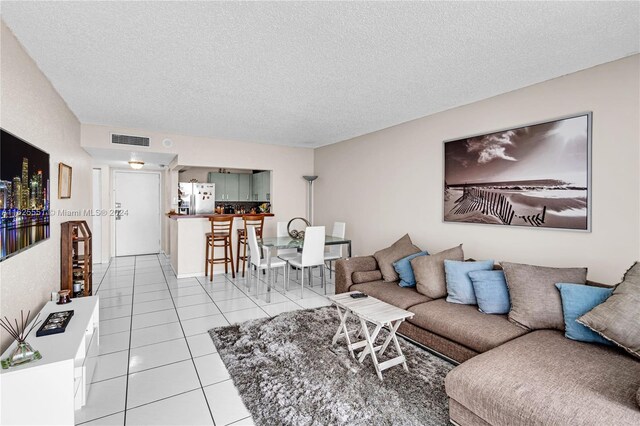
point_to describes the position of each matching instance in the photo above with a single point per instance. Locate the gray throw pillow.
(618, 318)
(535, 300)
(386, 257)
(429, 272)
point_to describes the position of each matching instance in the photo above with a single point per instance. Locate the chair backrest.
(257, 221)
(339, 231)
(253, 245)
(282, 229)
(221, 225)
(313, 246)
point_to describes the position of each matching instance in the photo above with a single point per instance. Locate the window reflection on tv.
(24, 195)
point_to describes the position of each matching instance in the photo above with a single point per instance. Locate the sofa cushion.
(544, 378)
(618, 318)
(491, 291)
(577, 300)
(535, 301)
(464, 324)
(366, 276)
(429, 272)
(402, 297)
(405, 271)
(459, 285)
(386, 257)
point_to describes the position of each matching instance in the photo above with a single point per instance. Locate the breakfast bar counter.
(187, 242)
(176, 216)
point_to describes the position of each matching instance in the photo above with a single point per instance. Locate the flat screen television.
(24, 195)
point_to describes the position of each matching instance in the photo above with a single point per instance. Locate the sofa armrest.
(346, 267)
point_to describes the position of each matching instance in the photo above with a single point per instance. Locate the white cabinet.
(49, 390)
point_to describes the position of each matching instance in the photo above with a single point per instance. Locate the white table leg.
(369, 348)
(343, 331)
(392, 332)
(397, 344)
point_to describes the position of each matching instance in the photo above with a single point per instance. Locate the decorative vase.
(23, 353)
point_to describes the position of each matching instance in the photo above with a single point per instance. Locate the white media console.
(49, 390)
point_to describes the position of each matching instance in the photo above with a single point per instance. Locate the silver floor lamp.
(310, 179)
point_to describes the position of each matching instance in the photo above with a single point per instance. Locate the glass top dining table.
(290, 243)
(273, 243)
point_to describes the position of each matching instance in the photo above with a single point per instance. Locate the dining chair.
(335, 251)
(312, 256)
(258, 262)
(257, 221)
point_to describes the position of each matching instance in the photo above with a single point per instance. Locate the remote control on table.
(358, 295)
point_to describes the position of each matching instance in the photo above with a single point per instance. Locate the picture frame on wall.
(64, 180)
(536, 175)
(24, 195)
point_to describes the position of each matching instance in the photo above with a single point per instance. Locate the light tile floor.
(158, 365)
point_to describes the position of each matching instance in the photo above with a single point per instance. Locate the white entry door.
(137, 198)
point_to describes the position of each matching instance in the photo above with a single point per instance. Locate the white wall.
(389, 182)
(287, 165)
(33, 110)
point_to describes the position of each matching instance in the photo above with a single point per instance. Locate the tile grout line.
(188, 346)
(126, 391)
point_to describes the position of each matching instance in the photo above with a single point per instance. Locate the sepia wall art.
(536, 175)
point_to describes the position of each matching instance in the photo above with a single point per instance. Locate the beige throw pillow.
(429, 272)
(401, 248)
(535, 300)
(618, 318)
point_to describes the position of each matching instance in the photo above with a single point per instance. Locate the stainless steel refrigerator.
(197, 198)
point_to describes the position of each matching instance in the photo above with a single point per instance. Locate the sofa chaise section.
(543, 377)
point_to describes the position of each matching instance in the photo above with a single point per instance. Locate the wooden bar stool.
(220, 236)
(256, 221)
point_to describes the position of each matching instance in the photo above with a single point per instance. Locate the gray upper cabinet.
(257, 184)
(245, 183)
(231, 186)
(220, 180)
(266, 186)
(262, 186)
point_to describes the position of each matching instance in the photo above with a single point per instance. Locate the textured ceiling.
(309, 73)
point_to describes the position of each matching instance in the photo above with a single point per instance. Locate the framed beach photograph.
(537, 175)
(64, 181)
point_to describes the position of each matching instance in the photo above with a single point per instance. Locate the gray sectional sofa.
(509, 375)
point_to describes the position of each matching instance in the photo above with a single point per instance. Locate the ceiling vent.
(129, 140)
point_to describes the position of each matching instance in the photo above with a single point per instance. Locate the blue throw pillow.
(491, 291)
(459, 286)
(577, 300)
(405, 271)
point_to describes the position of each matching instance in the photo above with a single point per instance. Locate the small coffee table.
(382, 315)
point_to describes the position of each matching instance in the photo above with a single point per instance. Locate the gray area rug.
(288, 373)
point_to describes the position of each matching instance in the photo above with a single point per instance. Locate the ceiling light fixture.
(136, 164)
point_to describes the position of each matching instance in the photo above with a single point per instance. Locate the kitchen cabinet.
(231, 186)
(245, 184)
(220, 180)
(262, 186)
